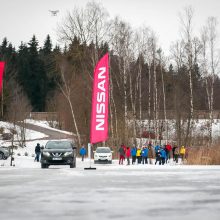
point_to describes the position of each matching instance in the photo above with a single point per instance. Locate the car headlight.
(47, 154)
(68, 154)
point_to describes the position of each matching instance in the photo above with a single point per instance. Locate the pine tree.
(47, 48)
(32, 75)
(48, 56)
(37, 77)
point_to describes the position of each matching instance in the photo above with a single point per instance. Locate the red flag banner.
(100, 96)
(2, 65)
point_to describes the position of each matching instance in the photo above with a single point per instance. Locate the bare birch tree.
(89, 25)
(121, 40)
(187, 27)
(177, 52)
(142, 41)
(153, 49)
(159, 51)
(210, 62)
(18, 111)
(114, 114)
(66, 87)
(135, 82)
(150, 58)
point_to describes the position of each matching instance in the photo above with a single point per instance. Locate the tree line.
(144, 83)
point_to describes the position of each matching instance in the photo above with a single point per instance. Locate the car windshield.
(103, 150)
(58, 145)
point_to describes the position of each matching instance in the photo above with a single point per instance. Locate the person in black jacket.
(37, 152)
(158, 157)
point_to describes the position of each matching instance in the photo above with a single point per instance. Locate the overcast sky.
(20, 19)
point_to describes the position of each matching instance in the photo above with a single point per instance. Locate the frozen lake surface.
(110, 192)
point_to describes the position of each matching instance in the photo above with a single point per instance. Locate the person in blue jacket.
(157, 147)
(133, 154)
(144, 154)
(162, 156)
(82, 152)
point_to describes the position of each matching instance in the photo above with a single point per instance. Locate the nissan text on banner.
(2, 65)
(100, 98)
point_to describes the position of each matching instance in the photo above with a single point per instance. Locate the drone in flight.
(54, 13)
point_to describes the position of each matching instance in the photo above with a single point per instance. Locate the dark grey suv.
(4, 153)
(58, 153)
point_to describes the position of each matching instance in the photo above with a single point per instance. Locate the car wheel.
(44, 166)
(110, 161)
(1, 156)
(5, 158)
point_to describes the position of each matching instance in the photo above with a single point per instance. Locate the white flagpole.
(89, 155)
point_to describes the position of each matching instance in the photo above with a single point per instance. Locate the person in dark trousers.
(133, 154)
(173, 150)
(168, 149)
(162, 156)
(144, 154)
(37, 152)
(138, 155)
(82, 152)
(124, 147)
(176, 154)
(128, 155)
(158, 157)
(121, 154)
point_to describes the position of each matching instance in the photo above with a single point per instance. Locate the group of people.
(140, 155)
(38, 149)
(146, 154)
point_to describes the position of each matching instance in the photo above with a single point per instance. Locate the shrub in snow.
(13, 131)
(53, 124)
(26, 154)
(19, 154)
(2, 129)
(6, 136)
(204, 155)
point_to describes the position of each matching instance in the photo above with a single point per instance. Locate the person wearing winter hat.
(37, 152)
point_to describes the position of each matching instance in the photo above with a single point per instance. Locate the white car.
(103, 154)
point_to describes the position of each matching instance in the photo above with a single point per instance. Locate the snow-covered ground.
(30, 134)
(33, 137)
(109, 192)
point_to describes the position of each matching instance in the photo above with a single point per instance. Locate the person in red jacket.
(121, 154)
(168, 149)
(124, 147)
(128, 155)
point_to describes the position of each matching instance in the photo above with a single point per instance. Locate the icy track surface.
(111, 192)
